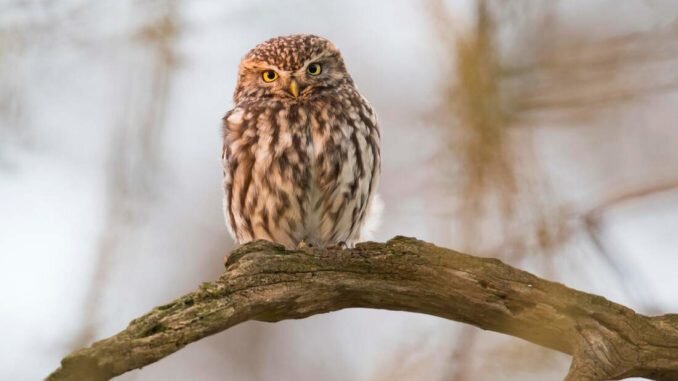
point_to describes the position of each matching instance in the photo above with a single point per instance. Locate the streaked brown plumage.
(301, 147)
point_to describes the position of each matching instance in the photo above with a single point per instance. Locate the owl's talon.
(303, 245)
(341, 245)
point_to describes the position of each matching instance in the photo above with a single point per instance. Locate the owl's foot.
(303, 244)
(341, 245)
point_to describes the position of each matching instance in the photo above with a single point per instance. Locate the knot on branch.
(636, 346)
(601, 355)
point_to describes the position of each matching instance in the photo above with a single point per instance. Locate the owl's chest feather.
(309, 157)
(299, 173)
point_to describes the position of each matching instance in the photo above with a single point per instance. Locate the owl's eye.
(269, 75)
(314, 69)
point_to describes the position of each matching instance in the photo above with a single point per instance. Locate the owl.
(301, 154)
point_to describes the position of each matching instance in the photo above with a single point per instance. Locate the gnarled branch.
(265, 282)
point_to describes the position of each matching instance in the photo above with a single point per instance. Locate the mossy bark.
(265, 282)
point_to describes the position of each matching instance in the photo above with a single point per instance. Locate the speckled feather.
(301, 168)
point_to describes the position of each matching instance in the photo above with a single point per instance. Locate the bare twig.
(265, 282)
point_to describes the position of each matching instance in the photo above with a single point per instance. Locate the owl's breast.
(298, 173)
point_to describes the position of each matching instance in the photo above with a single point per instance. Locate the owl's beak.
(294, 88)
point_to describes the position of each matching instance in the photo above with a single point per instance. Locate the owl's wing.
(375, 206)
(231, 130)
(232, 122)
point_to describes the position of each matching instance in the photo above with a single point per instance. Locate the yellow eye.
(269, 75)
(314, 69)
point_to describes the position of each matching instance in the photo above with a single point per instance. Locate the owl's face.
(291, 68)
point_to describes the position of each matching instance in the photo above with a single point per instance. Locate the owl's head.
(292, 68)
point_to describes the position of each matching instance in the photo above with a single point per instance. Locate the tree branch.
(263, 281)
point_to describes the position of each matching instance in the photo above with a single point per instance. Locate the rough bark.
(263, 281)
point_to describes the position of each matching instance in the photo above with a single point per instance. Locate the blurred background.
(541, 132)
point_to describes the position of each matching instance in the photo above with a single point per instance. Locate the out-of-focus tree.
(518, 75)
(520, 72)
(134, 154)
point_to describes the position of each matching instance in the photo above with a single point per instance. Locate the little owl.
(301, 147)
